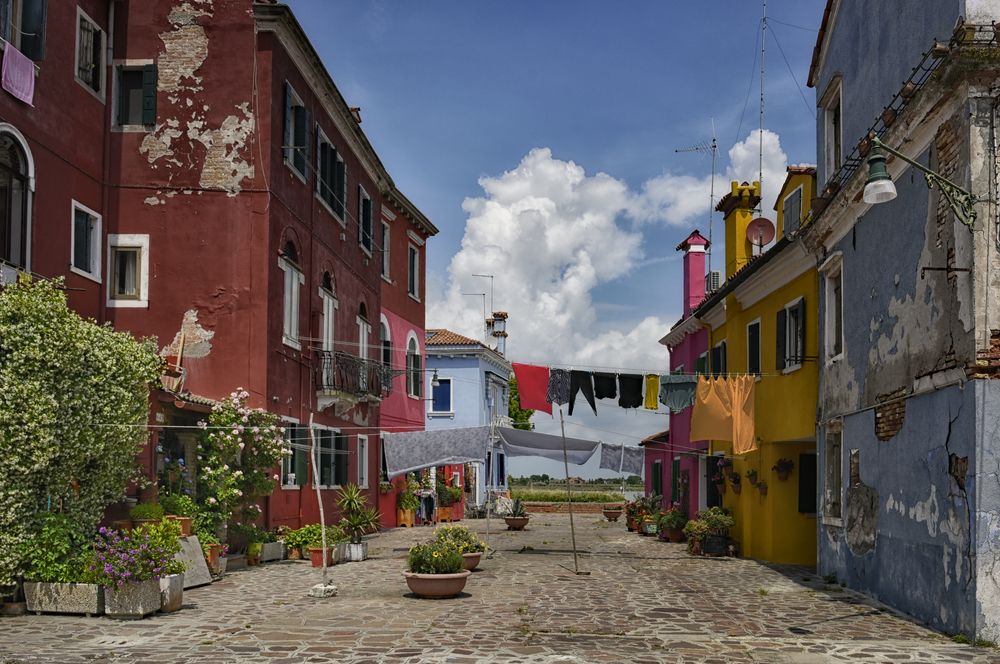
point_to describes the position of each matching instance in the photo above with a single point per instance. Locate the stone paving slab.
(643, 601)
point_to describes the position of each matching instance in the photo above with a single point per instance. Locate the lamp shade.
(878, 187)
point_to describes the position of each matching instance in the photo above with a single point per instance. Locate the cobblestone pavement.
(643, 601)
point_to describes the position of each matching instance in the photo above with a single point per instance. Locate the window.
(701, 364)
(413, 373)
(753, 348)
(719, 359)
(833, 474)
(128, 271)
(86, 246)
(363, 461)
(383, 475)
(501, 469)
(834, 313)
(364, 332)
(791, 336)
(340, 459)
(656, 475)
(89, 53)
(365, 221)
(295, 466)
(832, 129)
(675, 480)
(807, 483)
(792, 212)
(136, 98)
(293, 280)
(328, 315)
(385, 342)
(441, 396)
(413, 272)
(296, 136)
(15, 202)
(22, 23)
(385, 250)
(331, 176)
(323, 459)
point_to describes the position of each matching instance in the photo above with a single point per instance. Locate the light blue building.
(909, 402)
(468, 384)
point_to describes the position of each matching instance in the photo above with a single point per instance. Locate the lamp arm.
(961, 201)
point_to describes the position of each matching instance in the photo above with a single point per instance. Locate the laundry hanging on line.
(622, 458)
(605, 385)
(677, 391)
(532, 386)
(581, 381)
(652, 391)
(558, 390)
(724, 410)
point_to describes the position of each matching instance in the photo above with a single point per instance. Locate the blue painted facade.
(473, 391)
(909, 451)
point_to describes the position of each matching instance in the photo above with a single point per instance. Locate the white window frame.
(140, 242)
(833, 427)
(362, 197)
(451, 399)
(760, 344)
(388, 340)
(287, 151)
(315, 456)
(833, 98)
(791, 338)
(832, 268)
(363, 461)
(413, 382)
(328, 319)
(386, 245)
(292, 280)
(413, 289)
(364, 334)
(116, 70)
(102, 66)
(289, 459)
(97, 224)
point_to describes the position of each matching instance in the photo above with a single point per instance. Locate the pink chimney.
(694, 270)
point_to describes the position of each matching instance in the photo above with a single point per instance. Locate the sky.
(541, 138)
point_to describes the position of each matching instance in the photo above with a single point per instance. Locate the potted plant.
(611, 512)
(385, 488)
(649, 524)
(59, 578)
(407, 504)
(272, 548)
(671, 525)
(518, 517)
(335, 548)
(464, 541)
(762, 487)
(752, 477)
(165, 535)
(129, 566)
(357, 519)
(736, 481)
(445, 499)
(435, 570)
(720, 482)
(146, 513)
(695, 532)
(783, 467)
(212, 549)
(717, 522)
(180, 508)
(296, 541)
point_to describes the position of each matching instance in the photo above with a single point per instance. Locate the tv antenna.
(712, 149)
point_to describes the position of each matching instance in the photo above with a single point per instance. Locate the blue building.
(909, 402)
(468, 384)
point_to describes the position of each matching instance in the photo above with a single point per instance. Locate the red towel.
(532, 384)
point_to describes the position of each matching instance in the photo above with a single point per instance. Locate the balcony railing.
(337, 371)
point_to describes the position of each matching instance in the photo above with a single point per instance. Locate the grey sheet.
(632, 462)
(414, 450)
(518, 442)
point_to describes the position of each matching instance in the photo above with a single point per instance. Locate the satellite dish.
(760, 232)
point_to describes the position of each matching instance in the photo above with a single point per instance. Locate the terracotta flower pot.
(675, 535)
(443, 514)
(184, 522)
(316, 556)
(611, 515)
(629, 523)
(470, 561)
(404, 518)
(295, 553)
(437, 585)
(516, 522)
(212, 557)
(783, 474)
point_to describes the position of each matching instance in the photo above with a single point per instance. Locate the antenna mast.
(713, 149)
(760, 132)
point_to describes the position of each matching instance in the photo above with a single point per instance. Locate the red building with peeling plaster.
(192, 170)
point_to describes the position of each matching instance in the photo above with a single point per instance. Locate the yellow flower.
(436, 554)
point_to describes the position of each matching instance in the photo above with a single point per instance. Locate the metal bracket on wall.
(947, 269)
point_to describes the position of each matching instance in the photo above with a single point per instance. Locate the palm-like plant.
(356, 517)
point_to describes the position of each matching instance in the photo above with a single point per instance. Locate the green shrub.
(517, 510)
(312, 535)
(460, 538)
(178, 504)
(61, 553)
(434, 558)
(673, 518)
(165, 537)
(716, 519)
(695, 530)
(146, 511)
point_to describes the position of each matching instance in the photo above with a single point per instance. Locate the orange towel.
(724, 410)
(744, 432)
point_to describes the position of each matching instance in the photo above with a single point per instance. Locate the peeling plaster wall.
(986, 489)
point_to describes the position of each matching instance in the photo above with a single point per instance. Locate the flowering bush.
(434, 558)
(673, 518)
(74, 401)
(238, 458)
(460, 538)
(132, 557)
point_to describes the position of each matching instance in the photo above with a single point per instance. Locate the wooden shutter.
(33, 28)
(307, 148)
(657, 479)
(319, 162)
(86, 36)
(149, 79)
(723, 358)
(300, 455)
(807, 483)
(287, 140)
(802, 330)
(780, 331)
(339, 185)
(97, 60)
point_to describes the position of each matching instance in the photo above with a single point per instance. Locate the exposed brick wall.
(578, 508)
(988, 359)
(889, 414)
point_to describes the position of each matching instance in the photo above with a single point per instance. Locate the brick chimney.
(694, 270)
(738, 206)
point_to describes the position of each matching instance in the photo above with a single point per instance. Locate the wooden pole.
(569, 490)
(319, 497)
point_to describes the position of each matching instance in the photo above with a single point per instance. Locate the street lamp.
(880, 189)
(434, 379)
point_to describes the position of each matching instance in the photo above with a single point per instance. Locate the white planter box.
(86, 598)
(133, 600)
(357, 552)
(272, 551)
(171, 593)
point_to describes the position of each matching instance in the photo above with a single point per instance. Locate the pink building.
(685, 467)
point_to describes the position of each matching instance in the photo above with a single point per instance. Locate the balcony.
(344, 380)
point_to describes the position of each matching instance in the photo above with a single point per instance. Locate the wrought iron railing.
(343, 372)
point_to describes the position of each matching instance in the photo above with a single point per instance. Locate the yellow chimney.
(738, 206)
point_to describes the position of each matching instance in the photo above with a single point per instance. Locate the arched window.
(289, 264)
(14, 201)
(414, 375)
(386, 342)
(327, 321)
(364, 331)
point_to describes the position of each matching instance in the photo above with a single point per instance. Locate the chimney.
(694, 270)
(499, 330)
(738, 206)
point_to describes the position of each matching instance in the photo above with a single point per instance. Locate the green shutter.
(149, 95)
(802, 330)
(780, 331)
(657, 472)
(288, 140)
(300, 453)
(33, 29)
(675, 481)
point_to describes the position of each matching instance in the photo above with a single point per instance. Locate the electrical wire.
(753, 69)
(812, 111)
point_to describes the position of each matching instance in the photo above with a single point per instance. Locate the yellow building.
(764, 321)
